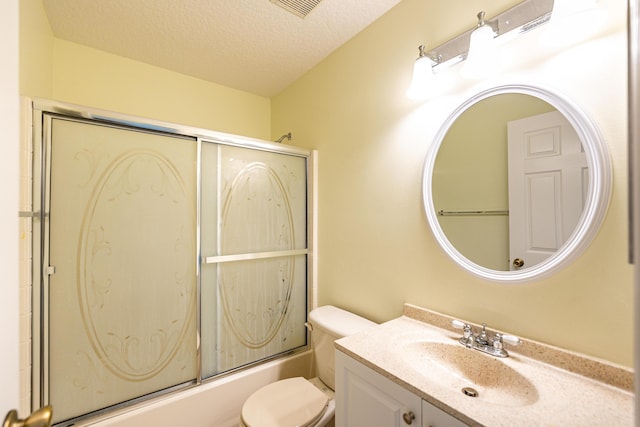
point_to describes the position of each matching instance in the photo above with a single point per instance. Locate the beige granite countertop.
(537, 385)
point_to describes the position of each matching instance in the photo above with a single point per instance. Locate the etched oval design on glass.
(255, 294)
(138, 193)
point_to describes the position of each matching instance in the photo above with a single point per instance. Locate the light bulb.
(483, 54)
(423, 79)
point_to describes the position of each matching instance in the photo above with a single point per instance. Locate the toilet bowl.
(298, 402)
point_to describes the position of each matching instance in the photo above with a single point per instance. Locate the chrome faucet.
(482, 342)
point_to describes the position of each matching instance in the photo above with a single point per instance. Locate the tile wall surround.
(25, 251)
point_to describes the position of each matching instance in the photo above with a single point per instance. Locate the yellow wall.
(376, 250)
(95, 78)
(57, 69)
(36, 50)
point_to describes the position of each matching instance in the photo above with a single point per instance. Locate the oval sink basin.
(456, 367)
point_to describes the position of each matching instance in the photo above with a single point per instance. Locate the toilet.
(297, 401)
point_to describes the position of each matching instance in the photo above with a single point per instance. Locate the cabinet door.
(435, 417)
(365, 398)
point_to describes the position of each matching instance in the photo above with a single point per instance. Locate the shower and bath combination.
(119, 315)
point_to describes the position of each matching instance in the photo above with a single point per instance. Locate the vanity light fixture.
(523, 17)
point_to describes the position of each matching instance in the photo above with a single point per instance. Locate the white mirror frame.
(599, 194)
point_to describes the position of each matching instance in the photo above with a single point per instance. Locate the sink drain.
(471, 392)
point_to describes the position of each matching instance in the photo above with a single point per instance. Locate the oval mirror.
(516, 183)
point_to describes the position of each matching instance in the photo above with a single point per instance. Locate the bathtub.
(216, 403)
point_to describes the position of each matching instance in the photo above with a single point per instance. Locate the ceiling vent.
(299, 8)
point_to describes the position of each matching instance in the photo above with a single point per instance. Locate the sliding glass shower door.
(166, 259)
(254, 246)
(122, 299)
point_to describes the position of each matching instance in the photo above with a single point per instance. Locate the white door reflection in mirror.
(548, 182)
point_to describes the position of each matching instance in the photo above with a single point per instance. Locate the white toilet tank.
(329, 323)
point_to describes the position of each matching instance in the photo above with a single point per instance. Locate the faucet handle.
(458, 324)
(511, 339)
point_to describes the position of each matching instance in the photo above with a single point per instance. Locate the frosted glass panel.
(122, 299)
(253, 202)
(261, 311)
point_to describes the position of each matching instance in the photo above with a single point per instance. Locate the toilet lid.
(290, 402)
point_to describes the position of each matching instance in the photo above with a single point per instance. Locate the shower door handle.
(253, 256)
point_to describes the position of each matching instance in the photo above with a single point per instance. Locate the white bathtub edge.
(216, 403)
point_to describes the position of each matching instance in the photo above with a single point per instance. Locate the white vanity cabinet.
(435, 417)
(364, 398)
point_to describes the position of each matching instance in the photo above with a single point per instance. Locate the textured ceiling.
(250, 45)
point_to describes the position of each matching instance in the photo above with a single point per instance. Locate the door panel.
(548, 181)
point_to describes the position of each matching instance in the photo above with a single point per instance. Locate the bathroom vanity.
(413, 371)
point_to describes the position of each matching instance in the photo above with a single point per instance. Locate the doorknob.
(517, 263)
(40, 418)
